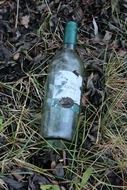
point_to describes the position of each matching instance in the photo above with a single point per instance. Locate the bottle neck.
(69, 46)
(70, 35)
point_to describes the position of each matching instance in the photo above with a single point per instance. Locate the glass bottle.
(63, 90)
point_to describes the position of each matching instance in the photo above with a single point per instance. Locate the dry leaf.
(25, 21)
(95, 27)
(62, 188)
(58, 170)
(3, 185)
(107, 37)
(16, 56)
(122, 53)
(53, 164)
(84, 100)
(78, 13)
(1, 2)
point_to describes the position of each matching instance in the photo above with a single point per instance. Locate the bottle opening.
(70, 34)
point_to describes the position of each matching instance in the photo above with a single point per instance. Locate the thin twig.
(48, 7)
(17, 15)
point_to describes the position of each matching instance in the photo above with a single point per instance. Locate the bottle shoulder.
(66, 54)
(67, 59)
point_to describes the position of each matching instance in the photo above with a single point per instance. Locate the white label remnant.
(67, 84)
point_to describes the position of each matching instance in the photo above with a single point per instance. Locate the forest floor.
(31, 31)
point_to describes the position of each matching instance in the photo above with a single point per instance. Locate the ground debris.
(58, 170)
(36, 180)
(13, 184)
(25, 21)
(30, 34)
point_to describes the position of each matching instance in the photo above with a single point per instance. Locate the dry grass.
(105, 152)
(21, 123)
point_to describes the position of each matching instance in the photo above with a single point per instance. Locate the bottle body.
(63, 93)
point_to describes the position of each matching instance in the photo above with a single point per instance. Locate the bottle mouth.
(70, 33)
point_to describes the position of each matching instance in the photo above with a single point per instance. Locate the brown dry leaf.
(25, 21)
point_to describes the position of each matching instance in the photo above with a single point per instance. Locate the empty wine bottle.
(63, 90)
